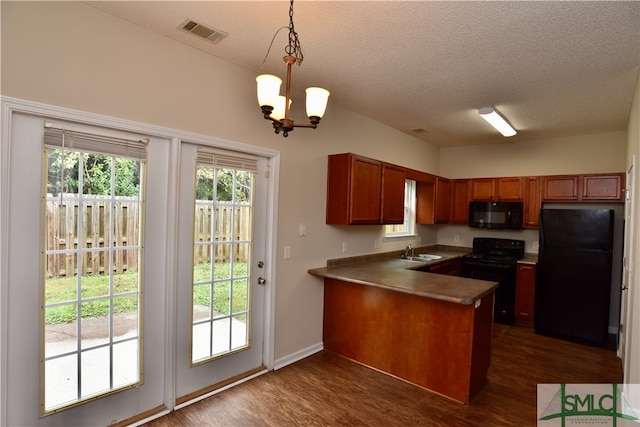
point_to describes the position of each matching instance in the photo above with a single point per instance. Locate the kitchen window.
(407, 228)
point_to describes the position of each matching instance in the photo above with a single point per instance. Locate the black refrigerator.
(573, 278)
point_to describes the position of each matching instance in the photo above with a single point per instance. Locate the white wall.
(72, 55)
(596, 153)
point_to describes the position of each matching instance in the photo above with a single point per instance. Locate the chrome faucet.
(409, 251)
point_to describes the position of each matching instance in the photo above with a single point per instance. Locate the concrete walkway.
(61, 374)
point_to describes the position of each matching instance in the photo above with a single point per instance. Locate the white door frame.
(628, 267)
(632, 298)
(13, 105)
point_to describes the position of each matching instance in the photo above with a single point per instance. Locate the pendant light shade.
(317, 98)
(268, 89)
(279, 110)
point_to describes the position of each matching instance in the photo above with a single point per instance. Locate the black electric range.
(496, 260)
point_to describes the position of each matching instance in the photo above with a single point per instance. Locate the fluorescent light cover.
(495, 120)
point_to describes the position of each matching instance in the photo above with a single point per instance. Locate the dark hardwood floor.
(328, 390)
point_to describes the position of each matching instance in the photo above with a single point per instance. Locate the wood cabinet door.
(366, 183)
(510, 189)
(483, 189)
(532, 202)
(560, 188)
(459, 201)
(443, 200)
(603, 187)
(392, 194)
(425, 202)
(450, 268)
(525, 293)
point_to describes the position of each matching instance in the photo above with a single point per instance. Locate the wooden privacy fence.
(98, 212)
(232, 231)
(103, 220)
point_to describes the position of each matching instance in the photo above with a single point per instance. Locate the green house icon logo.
(587, 404)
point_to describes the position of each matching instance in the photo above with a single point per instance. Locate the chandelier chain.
(293, 48)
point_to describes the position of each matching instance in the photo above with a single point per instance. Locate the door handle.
(261, 281)
(624, 287)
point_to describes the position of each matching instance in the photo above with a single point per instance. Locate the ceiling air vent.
(203, 31)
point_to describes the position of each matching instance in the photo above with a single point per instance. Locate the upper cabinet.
(510, 188)
(586, 188)
(497, 189)
(392, 194)
(532, 203)
(364, 191)
(443, 200)
(459, 201)
(600, 187)
(433, 197)
(560, 188)
(367, 191)
(482, 189)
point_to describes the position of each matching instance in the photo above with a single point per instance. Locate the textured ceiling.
(552, 68)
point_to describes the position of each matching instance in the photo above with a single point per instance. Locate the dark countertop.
(398, 274)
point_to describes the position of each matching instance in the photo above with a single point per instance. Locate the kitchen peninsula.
(432, 330)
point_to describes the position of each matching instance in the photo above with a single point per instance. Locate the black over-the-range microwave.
(495, 215)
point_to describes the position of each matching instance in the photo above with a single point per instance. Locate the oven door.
(505, 275)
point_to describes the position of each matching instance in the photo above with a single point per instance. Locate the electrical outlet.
(376, 244)
(302, 231)
(536, 245)
(456, 238)
(344, 247)
(287, 252)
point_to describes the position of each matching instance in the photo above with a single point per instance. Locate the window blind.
(227, 160)
(103, 144)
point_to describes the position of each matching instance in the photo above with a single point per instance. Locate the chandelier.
(276, 107)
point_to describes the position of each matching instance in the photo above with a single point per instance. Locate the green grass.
(65, 290)
(221, 290)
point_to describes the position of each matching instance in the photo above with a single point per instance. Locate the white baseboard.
(298, 355)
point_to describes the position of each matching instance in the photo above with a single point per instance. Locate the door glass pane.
(92, 279)
(223, 233)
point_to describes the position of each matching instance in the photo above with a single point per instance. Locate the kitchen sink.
(429, 257)
(414, 259)
(423, 258)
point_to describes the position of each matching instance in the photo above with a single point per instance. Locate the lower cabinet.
(451, 268)
(525, 293)
(439, 345)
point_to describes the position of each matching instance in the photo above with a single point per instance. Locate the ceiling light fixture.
(276, 107)
(497, 121)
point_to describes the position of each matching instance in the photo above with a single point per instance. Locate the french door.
(221, 268)
(68, 360)
(192, 289)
